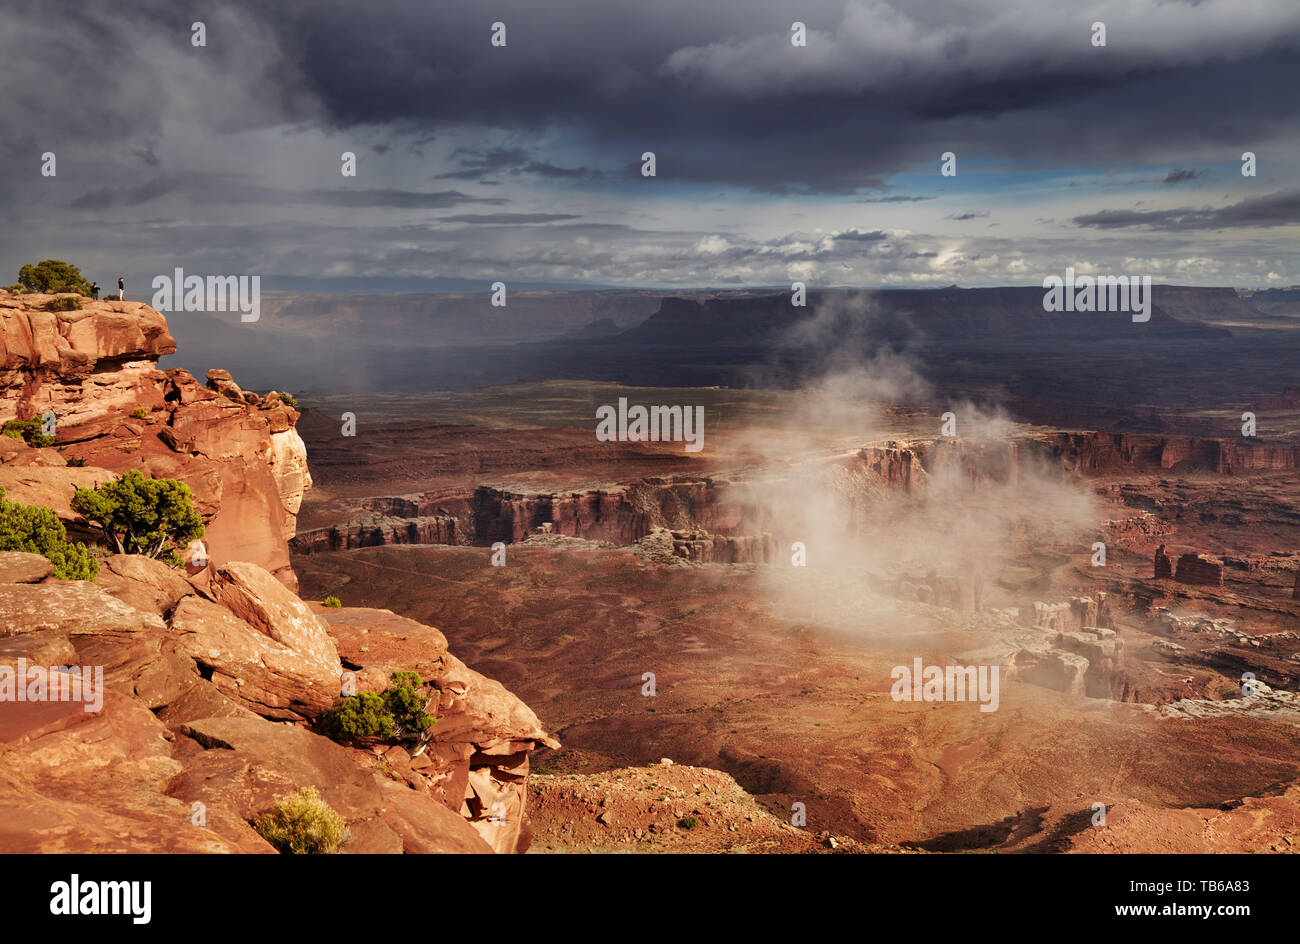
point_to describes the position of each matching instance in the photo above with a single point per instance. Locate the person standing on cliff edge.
(121, 288)
(94, 291)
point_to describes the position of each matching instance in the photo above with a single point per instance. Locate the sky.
(774, 162)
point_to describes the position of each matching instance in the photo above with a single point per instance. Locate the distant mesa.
(898, 314)
(602, 328)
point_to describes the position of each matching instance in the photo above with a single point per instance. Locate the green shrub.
(332, 602)
(76, 463)
(29, 431)
(142, 516)
(53, 276)
(407, 705)
(689, 822)
(356, 717)
(288, 400)
(302, 823)
(399, 714)
(63, 303)
(140, 413)
(38, 530)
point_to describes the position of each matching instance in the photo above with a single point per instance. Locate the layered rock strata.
(95, 372)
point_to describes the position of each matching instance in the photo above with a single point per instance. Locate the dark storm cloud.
(237, 144)
(1182, 175)
(543, 169)
(477, 163)
(859, 236)
(226, 190)
(402, 199)
(1278, 209)
(717, 92)
(721, 96)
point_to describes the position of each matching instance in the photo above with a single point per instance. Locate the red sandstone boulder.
(477, 758)
(248, 764)
(67, 606)
(75, 781)
(251, 594)
(209, 656)
(143, 583)
(249, 667)
(19, 567)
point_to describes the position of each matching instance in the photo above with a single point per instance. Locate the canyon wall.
(619, 514)
(95, 369)
(737, 505)
(1093, 453)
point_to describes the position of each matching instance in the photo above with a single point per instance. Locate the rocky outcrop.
(95, 369)
(1089, 662)
(1059, 646)
(18, 567)
(1043, 664)
(896, 465)
(478, 756)
(247, 763)
(1164, 569)
(701, 547)
(603, 515)
(1192, 567)
(1199, 569)
(964, 593)
(1069, 615)
(209, 683)
(1105, 673)
(1074, 453)
(99, 359)
(737, 505)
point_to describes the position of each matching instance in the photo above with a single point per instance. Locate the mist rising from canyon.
(954, 506)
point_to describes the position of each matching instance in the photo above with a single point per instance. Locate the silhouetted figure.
(94, 290)
(121, 288)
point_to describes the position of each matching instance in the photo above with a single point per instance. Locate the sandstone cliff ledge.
(210, 679)
(96, 370)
